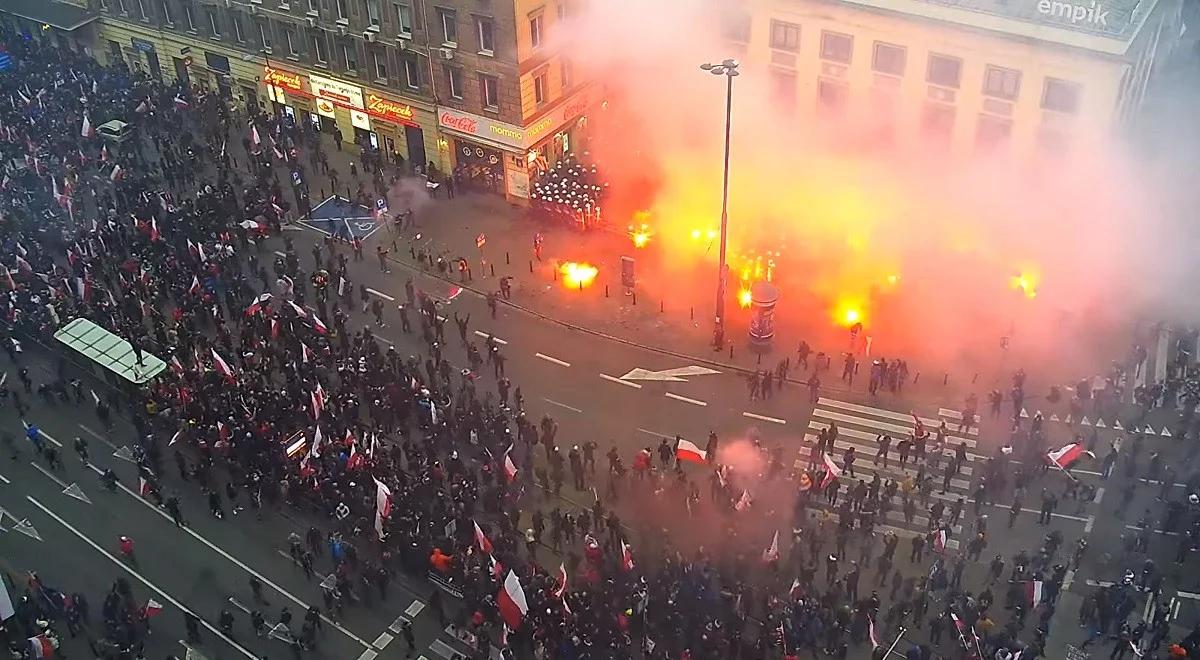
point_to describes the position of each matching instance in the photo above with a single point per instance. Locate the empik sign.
(1093, 13)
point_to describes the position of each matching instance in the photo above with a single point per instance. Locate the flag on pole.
(485, 546)
(256, 306)
(254, 135)
(223, 431)
(318, 440)
(1033, 591)
(155, 235)
(562, 581)
(918, 426)
(221, 365)
(117, 173)
(195, 287)
(510, 468)
(318, 401)
(300, 311)
(86, 130)
(1066, 455)
(511, 601)
(626, 557)
(41, 647)
(144, 488)
(939, 540)
(832, 471)
(688, 451)
(871, 632)
(181, 103)
(771, 554)
(152, 608)
(320, 327)
(383, 506)
(306, 354)
(743, 502)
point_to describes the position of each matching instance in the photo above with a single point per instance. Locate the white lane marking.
(481, 333)
(552, 359)
(97, 436)
(42, 433)
(1188, 594)
(694, 402)
(369, 654)
(657, 434)
(442, 649)
(1067, 580)
(1175, 610)
(237, 562)
(885, 413)
(280, 254)
(380, 294)
(614, 379)
(1099, 495)
(150, 585)
(1091, 523)
(561, 405)
(382, 641)
(53, 478)
(764, 418)
(4, 479)
(1154, 531)
(414, 608)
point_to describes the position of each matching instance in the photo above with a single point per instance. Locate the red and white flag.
(318, 440)
(497, 568)
(320, 327)
(626, 557)
(562, 581)
(254, 135)
(195, 287)
(306, 354)
(41, 647)
(181, 103)
(743, 502)
(481, 540)
(223, 431)
(918, 426)
(1067, 454)
(771, 554)
(274, 323)
(144, 488)
(510, 468)
(871, 633)
(104, 154)
(300, 311)
(688, 451)
(86, 130)
(155, 235)
(255, 307)
(1034, 592)
(939, 540)
(383, 506)
(511, 601)
(832, 471)
(221, 365)
(152, 608)
(318, 401)
(117, 173)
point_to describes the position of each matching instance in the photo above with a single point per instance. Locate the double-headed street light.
(729, 69)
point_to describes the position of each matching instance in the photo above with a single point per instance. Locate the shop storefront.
(558, 131)
(336, 102)
(401, 136)
(487, 155)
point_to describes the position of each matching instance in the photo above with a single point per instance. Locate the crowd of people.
(275, 396)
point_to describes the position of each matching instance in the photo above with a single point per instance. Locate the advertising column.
(329, 95)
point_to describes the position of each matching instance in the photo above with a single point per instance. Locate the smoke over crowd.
(938, 252)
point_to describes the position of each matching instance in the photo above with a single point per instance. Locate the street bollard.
(605, 290)
(493, 267)
(531, 265)
(634, 294)
(413, 251)
(945, 378)
(506, 261)
(916, 378)
(758, 362)
(554, 272)
(975, 378)
(731, 351)
(692, 313)
(661, 305)
(581, 285)
(322, 193)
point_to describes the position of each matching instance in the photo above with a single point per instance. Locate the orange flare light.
(640, 235)
(744, 298)
(578, 275)
(1026, 283)
(848, 312)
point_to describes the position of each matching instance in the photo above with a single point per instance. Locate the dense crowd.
(275, 397)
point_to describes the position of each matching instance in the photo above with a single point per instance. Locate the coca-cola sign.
(459, 123)
(485, 128)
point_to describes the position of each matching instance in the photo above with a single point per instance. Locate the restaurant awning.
(49, 12)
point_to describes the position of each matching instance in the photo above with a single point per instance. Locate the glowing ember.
(744, 298)
(848, 312)
(578, 275)
(640, 235)
(851, 316)
(1026, 283)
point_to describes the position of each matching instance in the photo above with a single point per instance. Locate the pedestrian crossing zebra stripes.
(858, 426)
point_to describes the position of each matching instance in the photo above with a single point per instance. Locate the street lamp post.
(729, 69)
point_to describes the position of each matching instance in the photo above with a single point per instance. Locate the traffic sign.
(296, 178)
(480, 240)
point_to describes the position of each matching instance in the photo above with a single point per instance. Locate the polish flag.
(743, 502)
(511, 601)
(832, 471)
(1063, 458)
(86, 130)
(104, 154)
(510, 468)
(688, 451)
(356, 459)
(222, 430)
(275, 330)
(320, 327)
(482, 541)
(871, 632)
(195, 287)
(318, 401)
(771, 554)
(254, 135)
(221, 365)
(318, 440)
(155, 235)
(41, 647)
(383, 506)
(939, 540)
(497, 567)
(562, 581)
(919, 426)
(257, 305)
(176, 365)
(152, 608)
(144, 488)
(116, 174)
(958, 623)
(306, 354)
(1034, 592)
(181, 103)
(300, 311)
(626, 557)
(797, 590)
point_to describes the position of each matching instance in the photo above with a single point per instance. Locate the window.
(831, 94)
(380, 61)
(121, 7)
(944, 70)
(350, 57)
(167, 18)
(264, 35)
(567, 73)
(289, 35)
(1001, 83)
(836, 47)
(736, 27)
(889, 59)
(535, 31)
(491, 92)
(448, 19)
(404, 21)
(236, 18)
(188, 19)
(456, 85)
(142, 10)
(992, 131)
(373, 15)
(486, 41)
(785, 36)
(343, 12)
(318, 42)
(213, 25)
(539, 88)
(1061, 96)
(412, 73)
(783, 90)
(103, 5)
(314, 7)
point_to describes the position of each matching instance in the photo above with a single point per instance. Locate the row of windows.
(942, 70)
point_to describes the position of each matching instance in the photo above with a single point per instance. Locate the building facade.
(463, 85)
(1022, 75)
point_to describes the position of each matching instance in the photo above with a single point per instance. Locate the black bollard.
(916, 378)
(731, 351)
(413, 251)
(975, 378)
(493, 267)
(692, 313)
(634, 297)
(759, 360)
(945, 378)
(531, 265)
(605, 290)
(554, 272)
(506, 261)
(322, 193)
(661, 305)
(581, 285)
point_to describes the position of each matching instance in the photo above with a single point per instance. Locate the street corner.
(337, 216)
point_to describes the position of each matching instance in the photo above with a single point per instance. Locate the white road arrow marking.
(25, 527)
(673, 375)
(75, 491)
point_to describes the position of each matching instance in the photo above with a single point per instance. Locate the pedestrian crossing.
(456, 643)
(858, 425)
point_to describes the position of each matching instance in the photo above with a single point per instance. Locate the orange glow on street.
(744, 298)
(578, 275)
(848, 312)
(1026, 283)
(640, 235)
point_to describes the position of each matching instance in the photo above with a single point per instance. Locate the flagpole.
(899, 636)
(1063, 470)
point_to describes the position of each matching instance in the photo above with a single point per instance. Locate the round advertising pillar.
(763, 298)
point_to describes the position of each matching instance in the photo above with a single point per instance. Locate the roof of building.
(49, 12)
